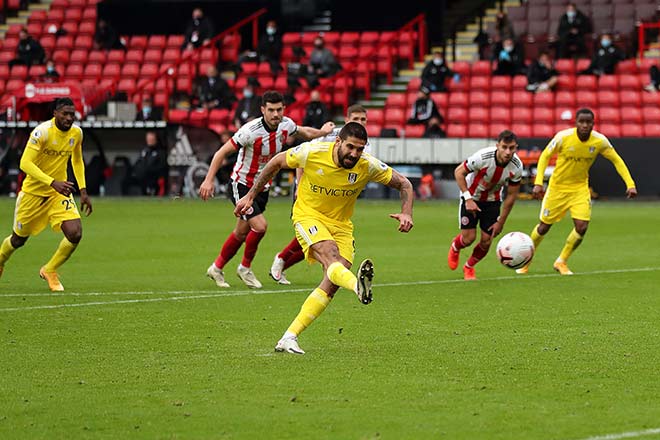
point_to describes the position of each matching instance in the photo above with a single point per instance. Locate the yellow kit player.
(568, 189)
(46, 195)
(334, 174)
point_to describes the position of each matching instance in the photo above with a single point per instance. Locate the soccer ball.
(515, 249)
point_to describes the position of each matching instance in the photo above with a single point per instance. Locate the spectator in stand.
(51, 75)
(654, 74)
(322, 63)
(249, 106)
(106, 37)
(424, 111)
(213, 92)
(269, 48)
(436, 72)
(605, 58)
(503, 30)
(572, 29)
(199, 30)
(510, 59)
(542, 76)
(151, 166)
(316, 112)
(28, 51)
(148, 112)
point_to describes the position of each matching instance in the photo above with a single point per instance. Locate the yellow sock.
(536, 237)
(572, 242)
(63, 252)
(342, 277)
(313, 306)
(6, 249)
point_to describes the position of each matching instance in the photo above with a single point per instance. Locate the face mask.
(318, 45)
(570, 14)
(146, 109)
(50, 69)
(247, 93)
(605, 42)
(271, 30)
(508, 48)
(437, 61)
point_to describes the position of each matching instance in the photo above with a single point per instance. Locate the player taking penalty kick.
(568, 190)
(334, 174)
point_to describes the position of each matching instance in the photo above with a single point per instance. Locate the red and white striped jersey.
(486, 179)
(257, 144)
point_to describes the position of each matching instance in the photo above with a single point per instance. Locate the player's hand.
(471, 206)
(63, 187)
(495, 229)
(631, 193)
(206, 190)
(85, 202)
(328, 127)
(243, 206)
(405, 221)
(537, 192)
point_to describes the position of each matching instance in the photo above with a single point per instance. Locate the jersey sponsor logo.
(334, 192)
(51, 152)
(352, 177)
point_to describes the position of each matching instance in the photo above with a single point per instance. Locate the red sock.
(294, 258)
(229, 249)
(458, 242)
(251, 244)
(477, 254)
(290, 249)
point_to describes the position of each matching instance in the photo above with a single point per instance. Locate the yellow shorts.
(557, 202)
(311, 230)
(33, 213)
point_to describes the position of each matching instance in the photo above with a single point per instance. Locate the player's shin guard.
(477, 254)
(6, 249)
(229, 248)
(572, 242)
(342, 277)
(251, 244)
(63, 252)
(536, 237)
(311, 309)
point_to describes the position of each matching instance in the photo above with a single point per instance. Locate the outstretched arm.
(274, 165)
(405, 188)
(309, 133)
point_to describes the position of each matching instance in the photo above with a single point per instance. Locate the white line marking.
(631, 434)
(203, 294)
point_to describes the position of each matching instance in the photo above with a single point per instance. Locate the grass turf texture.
(142, 345)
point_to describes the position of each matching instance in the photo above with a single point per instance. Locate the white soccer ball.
(515, 249)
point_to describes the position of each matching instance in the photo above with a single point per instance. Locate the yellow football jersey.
(574, 159)
(327, 190)
(53, 149)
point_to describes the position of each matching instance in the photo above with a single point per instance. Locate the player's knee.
(581, 229)
(74, 236)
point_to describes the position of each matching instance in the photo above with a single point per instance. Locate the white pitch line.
(195, 294)
(631, 434)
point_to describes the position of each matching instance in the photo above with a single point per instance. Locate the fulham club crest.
(352, 177)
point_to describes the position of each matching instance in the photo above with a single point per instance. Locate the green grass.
(142, 345)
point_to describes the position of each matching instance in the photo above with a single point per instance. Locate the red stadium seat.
(522, 130)
(501, 83)
(609, 130)
(175, 41)
(543, 115)
(481, 68)
(414, 131)
(565, 99)
(153, 56)
(126, 85)
(375, 116)
(396, 100)
(395, 117)
(523, 115)
(116, 56)
(495, 128)
(632, 130)
(607, 82)
(608, 115)
(629, 82)
(458, 99)
(479, 114)
(627, 67)
(79, 56)
(631, 115)
(519, 82)
(588, 82)
(457, 115)
(157, 42)
(608, 97)
(565, 66)
(130, 70)
(543, 130)
(650, 130)
(74, 72)
(478, 131)
(456, 130)
(111, 71)
(500, 98)
(441, 99)
(586, 99)
(566, 82)
(500, 115)
(521, 98)
(480, 83)
(546, 99)
(97, 56)
(461, 67)
(93, 71)
(651, 114)
(177, 116)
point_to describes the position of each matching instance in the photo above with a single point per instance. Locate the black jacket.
(436, 76)
(316, 114)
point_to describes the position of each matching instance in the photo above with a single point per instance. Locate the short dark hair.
(271, 96)
(61, 102)
(584, 111)
(353, 129)
(356, 108)
(507, 136)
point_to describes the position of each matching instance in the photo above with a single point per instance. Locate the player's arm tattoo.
(405, 188)
(266, 175)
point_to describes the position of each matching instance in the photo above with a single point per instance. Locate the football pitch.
(142, 345)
